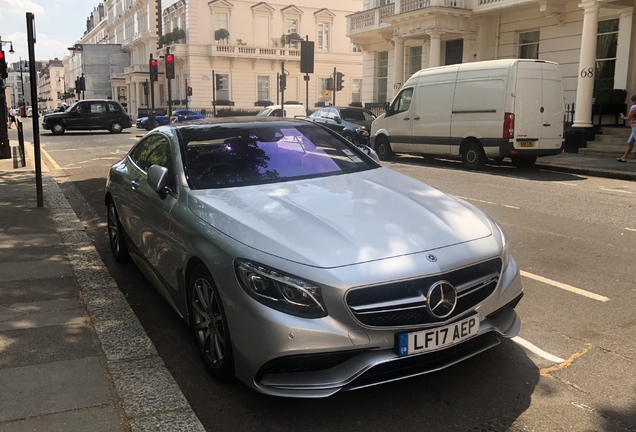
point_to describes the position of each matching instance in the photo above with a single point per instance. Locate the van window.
(403, 101)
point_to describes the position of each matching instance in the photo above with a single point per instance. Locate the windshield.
(265, 112)
(227, 157)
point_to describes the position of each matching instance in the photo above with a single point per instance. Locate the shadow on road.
(502, 169)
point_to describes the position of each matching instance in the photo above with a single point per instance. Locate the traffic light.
(3, 66)
(283, 81)
(339, 81)
(329, 83)
(169, 66)
(154, 71)
(218, 81)
(189, 91)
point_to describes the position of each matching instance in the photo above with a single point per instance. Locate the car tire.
(209, 325)
(116, 235)
(58, 128)
(473, 156)
(349, 138)
(115, 127)
(524, 161)
(383, 148)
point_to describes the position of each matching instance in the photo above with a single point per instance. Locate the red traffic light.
(170, 58)
(1, 55)
(153, 63)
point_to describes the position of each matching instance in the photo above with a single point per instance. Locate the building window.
(606, 44)
(415, 59)
(324, 93)
(263, 88)
(529, 45)
(356, 90)
(323, 36)
(382, 67)
(291, 25)
(221, 21)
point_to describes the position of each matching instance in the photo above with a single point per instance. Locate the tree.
(221, 34)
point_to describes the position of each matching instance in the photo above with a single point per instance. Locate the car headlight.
(505, 253)
(279, 291)
(362, 131)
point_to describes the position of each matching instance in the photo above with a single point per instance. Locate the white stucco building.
(592, 40)
(246, 62)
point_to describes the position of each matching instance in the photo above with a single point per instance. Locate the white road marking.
(565, 287)
(512, 207)
(566, 184)
(615, 190)
(630, 229)
(476, 200)
(536, 350)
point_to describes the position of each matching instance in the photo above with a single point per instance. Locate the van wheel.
(473, 156)
(383, 148)
(524, 161)
(58, 129)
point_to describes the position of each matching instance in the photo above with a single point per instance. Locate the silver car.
(302, 265)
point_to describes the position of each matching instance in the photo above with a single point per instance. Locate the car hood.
(341, 220)
(55, 115)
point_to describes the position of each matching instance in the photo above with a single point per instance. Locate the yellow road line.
(545, 372)
(48, 156)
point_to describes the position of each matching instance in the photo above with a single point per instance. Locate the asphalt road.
(572, 368)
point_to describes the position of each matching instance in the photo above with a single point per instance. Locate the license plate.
(526, 143)
(437, 338)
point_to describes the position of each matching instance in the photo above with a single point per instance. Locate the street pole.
(22, 82)
(30, 21)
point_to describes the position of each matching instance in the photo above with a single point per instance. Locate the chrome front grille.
(404, 303)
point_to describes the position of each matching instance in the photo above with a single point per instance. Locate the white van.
(292, 110)
(492, 109)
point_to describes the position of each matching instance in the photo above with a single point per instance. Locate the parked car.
(182, 115)
(91, 114)
(29, 112)
(352, 123)
(291, 111)
(303, 266)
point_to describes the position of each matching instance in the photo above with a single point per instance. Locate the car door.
(399, 119)
(149, 212)
(79, 116)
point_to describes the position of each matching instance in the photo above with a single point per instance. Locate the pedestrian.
(631, 118)
(12, 114)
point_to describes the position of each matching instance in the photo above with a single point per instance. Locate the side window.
(112, 107)
(155, 150)
(83, 108)
(403, 101)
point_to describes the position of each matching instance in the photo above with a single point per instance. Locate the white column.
(434, 53)
(587, 66)
(398, 64)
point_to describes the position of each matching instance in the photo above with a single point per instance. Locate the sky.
(59, 24)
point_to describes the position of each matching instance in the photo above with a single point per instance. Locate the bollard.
(21, 143)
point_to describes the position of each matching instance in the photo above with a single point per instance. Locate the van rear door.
(538, 106)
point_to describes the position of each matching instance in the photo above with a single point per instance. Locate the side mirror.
(369, 152)
(338, 120)
(158, 178)
(387, 108)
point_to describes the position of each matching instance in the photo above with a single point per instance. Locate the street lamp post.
(22, 82)
(5, 147)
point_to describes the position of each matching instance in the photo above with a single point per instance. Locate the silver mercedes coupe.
(302, 265)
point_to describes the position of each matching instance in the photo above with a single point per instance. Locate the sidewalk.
(73, 356)
(589, 165)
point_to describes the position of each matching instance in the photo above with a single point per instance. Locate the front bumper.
(318, 358)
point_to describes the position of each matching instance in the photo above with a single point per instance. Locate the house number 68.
(587, 73)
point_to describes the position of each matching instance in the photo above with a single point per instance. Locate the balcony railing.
(371, 19)
(137, 68)
(249, 51)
